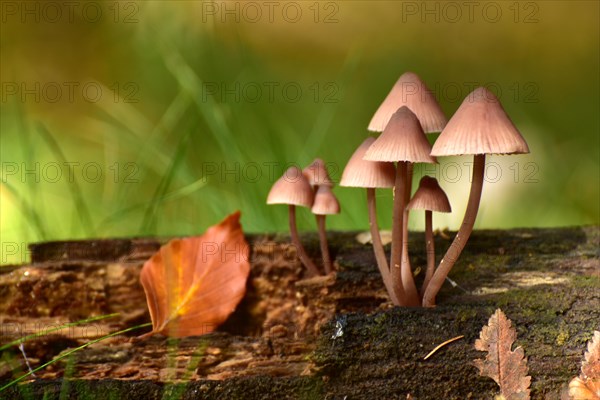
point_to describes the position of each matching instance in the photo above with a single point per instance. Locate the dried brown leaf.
(590, 368)
(587, 385)
(505, 366)
(193, 284)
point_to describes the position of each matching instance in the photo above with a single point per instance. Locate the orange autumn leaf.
(193, 284)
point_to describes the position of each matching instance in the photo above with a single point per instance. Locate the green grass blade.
(8, 361)
(65, 384)
(210, 111)
(325, 117)
(174, 195)
(76, 323)
(28, 150)
(151, 149)
(75, 190)
(149, 220)
(68, 353)
(27, 210)
(175, 391)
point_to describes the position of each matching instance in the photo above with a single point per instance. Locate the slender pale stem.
(408, 280)
(439, 276)
(380, 257)
(312, 269)
(397, 232)
(324, 246)
(430, 249)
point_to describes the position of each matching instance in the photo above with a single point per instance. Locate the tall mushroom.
(325, 204)
(404, 142)
(318, 176)
(429, 197)
(411, 91)
(480, 126)
(373, 175)
(294, 190)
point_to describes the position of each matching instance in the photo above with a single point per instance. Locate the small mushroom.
(480, 126)
(317, 174)
(429, 197)
(412, 92)
(402, 141)
(372, 175)
(325, 204)
(294, 190)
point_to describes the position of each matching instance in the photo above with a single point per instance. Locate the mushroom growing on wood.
(325, 204)
(412, 92)
(317, 174)
(480, 126)
(429, 197)
(294, 190)
(402, 141)
(372, 175)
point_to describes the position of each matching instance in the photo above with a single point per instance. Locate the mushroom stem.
(408, 280)
(382, 264)
(430, 248)
(462, 236)
(324, 246)
(397, 232)
(312, 269)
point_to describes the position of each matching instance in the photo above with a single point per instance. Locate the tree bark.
(292, 337)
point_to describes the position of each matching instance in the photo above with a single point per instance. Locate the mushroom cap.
(317, 174)
(325, 202)
(292, 188)
(367, 174)
(402, 140)
(429, 196)
(480, 126)
(412, 92)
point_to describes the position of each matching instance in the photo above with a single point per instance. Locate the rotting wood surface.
(327, 337)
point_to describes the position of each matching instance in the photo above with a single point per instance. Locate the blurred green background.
(159, 118)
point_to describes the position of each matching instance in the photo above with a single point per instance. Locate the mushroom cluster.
(480, 126)
(311, 187)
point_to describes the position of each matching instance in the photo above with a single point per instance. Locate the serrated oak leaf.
(587, 385)
(505, 366)
(193, 284)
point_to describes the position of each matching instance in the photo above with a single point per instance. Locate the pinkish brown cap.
(402, 140)
(317, 174)
(430, 196)
(292, 188)
(325, 202)
(480, 126)
(412, 92)
(367, 174)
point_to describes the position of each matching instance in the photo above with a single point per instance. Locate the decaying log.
(325, 337)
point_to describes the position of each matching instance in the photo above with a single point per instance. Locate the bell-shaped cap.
(402, 140)
(480, 126)
(429, 196)
(325, 202)
(292, 188)
(412, 92)
(367, 174)
(317, 174)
